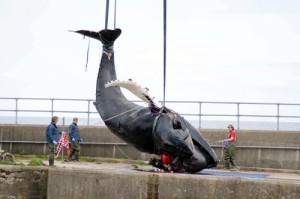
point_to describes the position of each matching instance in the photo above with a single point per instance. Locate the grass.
(35, 162)
(29, 157)
(11, 163)
(87, 159)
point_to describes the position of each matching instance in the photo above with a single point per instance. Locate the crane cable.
(165, 48)
(106, 25)
(107, 14)
(164, 33)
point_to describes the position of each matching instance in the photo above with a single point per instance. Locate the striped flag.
(63, 142)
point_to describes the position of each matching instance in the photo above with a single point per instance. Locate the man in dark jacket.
(52, 134)
(75, 139)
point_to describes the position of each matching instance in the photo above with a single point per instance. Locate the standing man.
(229, 145)
(52, 138)
(75, 139)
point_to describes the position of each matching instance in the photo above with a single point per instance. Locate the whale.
(153, 129)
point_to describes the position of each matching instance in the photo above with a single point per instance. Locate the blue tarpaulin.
(233, 173)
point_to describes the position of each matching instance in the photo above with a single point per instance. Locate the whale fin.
(136, 89)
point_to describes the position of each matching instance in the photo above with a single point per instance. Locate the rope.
(110, 134)
(107, 45)
(121, 114)
(153, 133)
(87, 55)
(123, 152)
(220, 141)
(116, 116)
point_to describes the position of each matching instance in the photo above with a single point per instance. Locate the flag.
(63, 142)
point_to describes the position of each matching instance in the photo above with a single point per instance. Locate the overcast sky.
(232, 50)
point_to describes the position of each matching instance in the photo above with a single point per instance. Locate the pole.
(62, 147)
(165, 47)
(1, 140)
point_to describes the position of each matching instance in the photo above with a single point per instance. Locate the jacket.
(52, 133)
(74, 132)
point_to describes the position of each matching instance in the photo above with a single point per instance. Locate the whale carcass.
(154, 129)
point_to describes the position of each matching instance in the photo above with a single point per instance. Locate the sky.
(217, 50)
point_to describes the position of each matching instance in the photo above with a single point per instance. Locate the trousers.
(229, 155)
(75, 150)
(51, 148)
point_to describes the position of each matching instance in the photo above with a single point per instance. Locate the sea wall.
(255, 148)
(18, 182)
(70, 183)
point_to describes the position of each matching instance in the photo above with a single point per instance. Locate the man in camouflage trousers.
(229, 145)
(75, 139)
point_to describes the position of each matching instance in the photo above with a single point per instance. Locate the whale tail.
(106, 36)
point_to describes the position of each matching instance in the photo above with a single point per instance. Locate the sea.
(205, 124)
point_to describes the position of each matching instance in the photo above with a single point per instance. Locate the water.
(207, 124)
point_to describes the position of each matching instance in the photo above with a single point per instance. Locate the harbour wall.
(63, 183)
(255, 148)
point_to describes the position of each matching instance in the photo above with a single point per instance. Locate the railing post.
(52, 107)
(200, 114)
(16, 119)
(88, 119)
(278, 116)
(238, 115)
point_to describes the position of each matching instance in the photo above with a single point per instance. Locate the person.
(163, 164)
(75, 139)
(229, 145)
(52, 134)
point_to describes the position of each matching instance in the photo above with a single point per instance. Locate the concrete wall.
(261, 148)
(59, 183)
(267, 149)
(131, 184)
(256, 137)
(23, 182)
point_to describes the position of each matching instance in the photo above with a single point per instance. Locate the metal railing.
(196, 110)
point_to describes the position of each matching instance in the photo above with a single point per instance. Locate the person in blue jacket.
(52, 134)
(75, 139)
